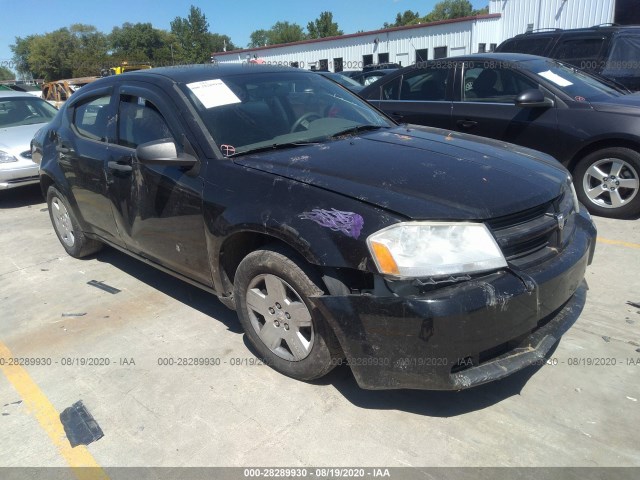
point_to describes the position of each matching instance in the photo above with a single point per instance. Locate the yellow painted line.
(82, 463)
(617, 242)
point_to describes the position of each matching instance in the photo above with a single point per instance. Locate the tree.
(323, 27)
(448, 9)
(406, 18)
(285, 32)
(192, 34)
(21, 50)
(89, 50)
(220, 43)
(280, 32)
(136, 42)
(259, 38)
(6, 74)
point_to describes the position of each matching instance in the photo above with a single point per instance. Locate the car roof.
(196, 73)
(14, 93)
(595, 29)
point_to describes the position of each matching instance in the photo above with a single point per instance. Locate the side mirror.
(533, 98)
(163, 152)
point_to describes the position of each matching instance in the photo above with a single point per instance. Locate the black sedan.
(591, 127)
(418, 257)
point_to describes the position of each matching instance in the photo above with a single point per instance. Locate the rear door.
(485, 106)
(158, 209)
(83, 152)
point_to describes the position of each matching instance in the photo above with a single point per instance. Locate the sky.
(234, 18)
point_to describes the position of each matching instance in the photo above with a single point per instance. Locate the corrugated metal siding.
(517, 14)
(398, 44)
(461, 37)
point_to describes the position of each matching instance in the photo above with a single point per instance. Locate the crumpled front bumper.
(465, 334)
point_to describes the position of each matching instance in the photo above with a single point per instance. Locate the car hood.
(423, 173)
(16, 140)
(628, 104)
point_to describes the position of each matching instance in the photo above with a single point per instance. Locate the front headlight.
(6, 157)
(576, 203)
(426, 249)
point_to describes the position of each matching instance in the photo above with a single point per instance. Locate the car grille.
(536, 234)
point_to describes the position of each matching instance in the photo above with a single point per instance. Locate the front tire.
(271, 291)
(67, 227)
(608, 182)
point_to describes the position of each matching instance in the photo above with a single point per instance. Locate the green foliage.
(285, 32)
(280, 32)
(323, 26)
(220, 43)
(448, 9)
(406, 18)
(259, 38)
(6, 74)
(192, 34)
(444, 10)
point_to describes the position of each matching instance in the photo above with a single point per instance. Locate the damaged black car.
(421, 258)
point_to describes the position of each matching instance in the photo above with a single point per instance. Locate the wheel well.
(335, 280)
(600, 145)
(45, 182)
(238, 246)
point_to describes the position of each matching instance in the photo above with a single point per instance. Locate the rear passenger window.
(90, 118)
(426, 84)
(139, 121)
(531, 46)
(579, 51)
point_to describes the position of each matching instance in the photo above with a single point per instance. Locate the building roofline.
(361, 34)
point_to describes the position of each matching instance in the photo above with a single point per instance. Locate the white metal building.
(406, 45)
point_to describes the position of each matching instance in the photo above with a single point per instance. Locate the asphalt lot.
(582, 409)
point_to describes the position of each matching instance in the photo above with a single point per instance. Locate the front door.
(485, 106)
(158, 209)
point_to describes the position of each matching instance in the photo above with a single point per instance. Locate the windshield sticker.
(213, 93)
(227, 150)
(555, 78)
(580, 99)
(348, 223)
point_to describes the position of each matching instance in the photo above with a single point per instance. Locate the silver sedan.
(21, 116)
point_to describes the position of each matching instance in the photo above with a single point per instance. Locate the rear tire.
(608, 182)
(271, 291)
(67, 227)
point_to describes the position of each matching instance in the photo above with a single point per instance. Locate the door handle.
(120, 167)
(467, 123)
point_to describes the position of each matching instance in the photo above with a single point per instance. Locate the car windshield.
(578, 85)
(16, 111)
(255, 111)
(342, 80)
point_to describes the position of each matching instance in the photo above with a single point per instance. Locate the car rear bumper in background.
(464, 334)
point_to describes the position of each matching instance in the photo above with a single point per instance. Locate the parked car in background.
(367, 78)
(21, 116)
(343, 80)
(420, 258)
(590, 127)
(612, 51)
(381, 66)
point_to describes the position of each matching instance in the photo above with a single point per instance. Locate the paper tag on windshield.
(213, 93)
(555, 78)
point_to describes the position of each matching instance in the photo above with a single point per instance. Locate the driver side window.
(140, 121)
(492, 84)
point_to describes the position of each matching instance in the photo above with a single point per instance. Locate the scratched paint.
(348, 223)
